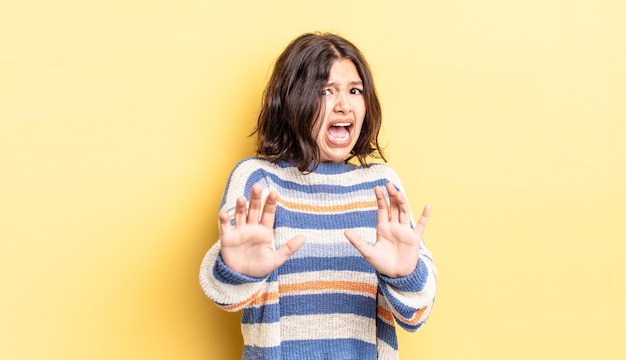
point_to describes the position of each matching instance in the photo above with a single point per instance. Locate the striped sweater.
(326, 301)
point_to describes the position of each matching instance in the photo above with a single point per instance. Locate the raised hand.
(247, 247)
(396, 251)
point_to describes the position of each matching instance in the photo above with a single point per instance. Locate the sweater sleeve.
(411, 298)
(228, 289)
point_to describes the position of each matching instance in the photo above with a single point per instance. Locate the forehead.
(343, 70)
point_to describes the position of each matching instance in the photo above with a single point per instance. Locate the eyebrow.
(353, 82)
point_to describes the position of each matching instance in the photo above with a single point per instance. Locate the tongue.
(338, 133)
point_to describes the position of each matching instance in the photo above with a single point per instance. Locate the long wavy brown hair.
(292, 102)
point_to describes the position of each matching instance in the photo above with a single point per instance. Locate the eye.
(356, 91)
(326, 92)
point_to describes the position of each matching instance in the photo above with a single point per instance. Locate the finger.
(240, 211)
(423, 220)
(400, 209)
(284, 252)
(254, 208)
(393, 202)
(383, 207)
(269, 209)
(224, 222)
(357, 241)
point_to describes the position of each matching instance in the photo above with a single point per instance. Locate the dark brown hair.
(292, 102)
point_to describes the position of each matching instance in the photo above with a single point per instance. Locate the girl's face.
(339, 126)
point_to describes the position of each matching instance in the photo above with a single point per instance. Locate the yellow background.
(120, 121)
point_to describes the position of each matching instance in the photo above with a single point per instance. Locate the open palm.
(247, 246)
(396, 250)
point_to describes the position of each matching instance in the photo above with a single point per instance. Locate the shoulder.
(250, 164)
(254, 169)
(243, 175)
(380, 171)
(381, 174)
(246, 169)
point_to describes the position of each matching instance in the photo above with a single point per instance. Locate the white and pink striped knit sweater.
(326, 301)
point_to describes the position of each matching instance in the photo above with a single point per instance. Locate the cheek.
(361, 113)
(360, 108)
(361, 120)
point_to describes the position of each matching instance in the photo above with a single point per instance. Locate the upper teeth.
(341, 124)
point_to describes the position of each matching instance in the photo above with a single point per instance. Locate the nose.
(342, 103)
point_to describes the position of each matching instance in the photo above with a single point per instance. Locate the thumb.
(357, 241)
(284, 252)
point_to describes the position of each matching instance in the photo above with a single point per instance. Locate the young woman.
(321, 254)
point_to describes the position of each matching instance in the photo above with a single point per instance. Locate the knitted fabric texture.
(326, 301)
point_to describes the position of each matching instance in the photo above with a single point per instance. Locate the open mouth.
(339, 133)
